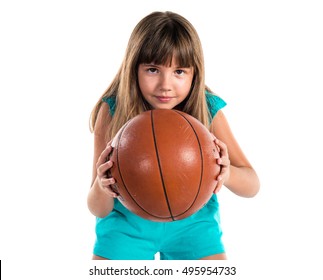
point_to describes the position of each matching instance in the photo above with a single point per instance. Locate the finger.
(224, 161)
(110, 192)
(109, 186)
(103, 168)
(216, 151)
(223, 147)
(106, 182)
(215, 140)
(104, 155)
(108, 149)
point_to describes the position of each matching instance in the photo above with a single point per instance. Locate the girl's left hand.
(224, 163)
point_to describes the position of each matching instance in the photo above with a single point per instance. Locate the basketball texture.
(164, 165)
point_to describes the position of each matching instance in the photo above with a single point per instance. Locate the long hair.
(157, 38)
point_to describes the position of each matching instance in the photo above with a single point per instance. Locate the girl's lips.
(164, 98)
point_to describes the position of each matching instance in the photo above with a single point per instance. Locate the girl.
(163, 68)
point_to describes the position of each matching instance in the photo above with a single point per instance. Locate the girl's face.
(164, 87)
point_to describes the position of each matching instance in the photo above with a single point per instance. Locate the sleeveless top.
(214, 103)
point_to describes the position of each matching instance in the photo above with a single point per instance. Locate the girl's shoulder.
(111, 101)
(214, 103)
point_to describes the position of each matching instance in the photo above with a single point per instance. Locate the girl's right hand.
(102, 166)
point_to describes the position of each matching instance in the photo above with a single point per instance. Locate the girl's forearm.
(243, 181)
(99, 203)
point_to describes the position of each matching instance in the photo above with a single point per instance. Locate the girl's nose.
(165, 82)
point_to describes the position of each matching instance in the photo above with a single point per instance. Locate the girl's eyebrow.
(149, 64)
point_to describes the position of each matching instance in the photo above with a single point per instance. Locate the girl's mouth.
(164, 98)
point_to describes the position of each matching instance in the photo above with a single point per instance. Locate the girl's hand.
(224, 163)
(102, 166)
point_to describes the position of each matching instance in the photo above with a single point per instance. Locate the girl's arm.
(237, 175)
(100, 198)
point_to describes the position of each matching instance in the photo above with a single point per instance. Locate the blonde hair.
(157, 38)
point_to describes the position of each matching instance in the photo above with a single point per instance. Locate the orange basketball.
(164, 165)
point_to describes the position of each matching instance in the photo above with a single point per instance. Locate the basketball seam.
(125, 186)
(202, 164)
(120, 172)
(160, 168)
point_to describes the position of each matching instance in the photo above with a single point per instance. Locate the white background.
(57, 57)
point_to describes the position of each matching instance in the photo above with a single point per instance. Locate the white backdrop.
(57, 57)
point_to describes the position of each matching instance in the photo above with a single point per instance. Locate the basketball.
(164, 165)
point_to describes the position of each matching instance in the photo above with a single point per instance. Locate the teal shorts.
(123, 235)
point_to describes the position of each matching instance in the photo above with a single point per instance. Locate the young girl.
(163, 68)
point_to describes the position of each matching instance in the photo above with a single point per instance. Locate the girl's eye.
(179, 72)
(152, 70)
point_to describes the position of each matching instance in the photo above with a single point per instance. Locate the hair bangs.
(169, 44)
